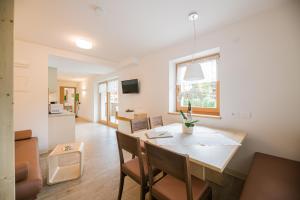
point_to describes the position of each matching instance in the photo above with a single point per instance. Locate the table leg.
(198, 170)
(206, 174)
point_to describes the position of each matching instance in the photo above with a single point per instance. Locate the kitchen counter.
(61, 129)
(64, 113)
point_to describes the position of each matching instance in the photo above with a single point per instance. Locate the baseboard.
(84, 119)
(41, 152)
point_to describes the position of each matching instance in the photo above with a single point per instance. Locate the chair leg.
(122, 177)
(208, 195)
(152, 197)
(143, 193)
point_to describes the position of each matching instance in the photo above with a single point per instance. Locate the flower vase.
(187, 130)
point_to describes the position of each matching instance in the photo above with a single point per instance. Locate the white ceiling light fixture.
(83, 44)
(194, 71)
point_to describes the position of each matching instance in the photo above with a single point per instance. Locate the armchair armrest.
(21, 171)
(23, 135)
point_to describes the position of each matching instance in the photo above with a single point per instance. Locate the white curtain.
(102, 88)
(181, 69)
(112, 86)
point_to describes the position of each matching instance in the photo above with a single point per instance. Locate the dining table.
(209, 149)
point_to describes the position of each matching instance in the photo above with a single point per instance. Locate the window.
(204, 94)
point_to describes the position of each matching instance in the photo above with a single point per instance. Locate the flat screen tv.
(130, 86)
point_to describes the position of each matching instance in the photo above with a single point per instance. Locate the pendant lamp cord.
(195, 40)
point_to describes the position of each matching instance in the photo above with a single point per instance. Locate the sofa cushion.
(273, 178)
(21, 171)
(27, 151)
(22, 135)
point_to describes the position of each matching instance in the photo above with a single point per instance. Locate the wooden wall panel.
(7, 144)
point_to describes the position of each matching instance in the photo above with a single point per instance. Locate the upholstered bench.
(272, 178)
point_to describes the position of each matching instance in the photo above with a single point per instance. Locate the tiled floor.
(100, 179)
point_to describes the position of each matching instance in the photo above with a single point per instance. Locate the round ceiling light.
(193, 16)
(83, 44)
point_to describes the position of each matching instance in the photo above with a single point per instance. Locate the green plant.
(77, 97)
(77, 102)
(187, 119)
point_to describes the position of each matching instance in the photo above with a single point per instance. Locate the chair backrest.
(174, 164)
(138, 124)
(155, 121)
(132, 145)
(22, 135)
(128, 143)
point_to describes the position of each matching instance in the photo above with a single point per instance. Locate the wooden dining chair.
(178, 183)
(139, 124)
(136, 168)
(155, 121)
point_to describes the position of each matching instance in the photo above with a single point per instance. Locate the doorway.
(68, 99)
(108, 102)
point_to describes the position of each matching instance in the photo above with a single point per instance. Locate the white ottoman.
(65, 163)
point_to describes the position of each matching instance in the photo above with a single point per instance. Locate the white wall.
(52, 79)
(31, 107)
(86, 91)
(259, 73)
(66, 83)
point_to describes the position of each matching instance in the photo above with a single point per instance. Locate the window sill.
(199, 115)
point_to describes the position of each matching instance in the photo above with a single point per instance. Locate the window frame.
(108, 110)
(197, 110)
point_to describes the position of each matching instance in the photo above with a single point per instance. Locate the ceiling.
(70, 69)
(124, 28)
